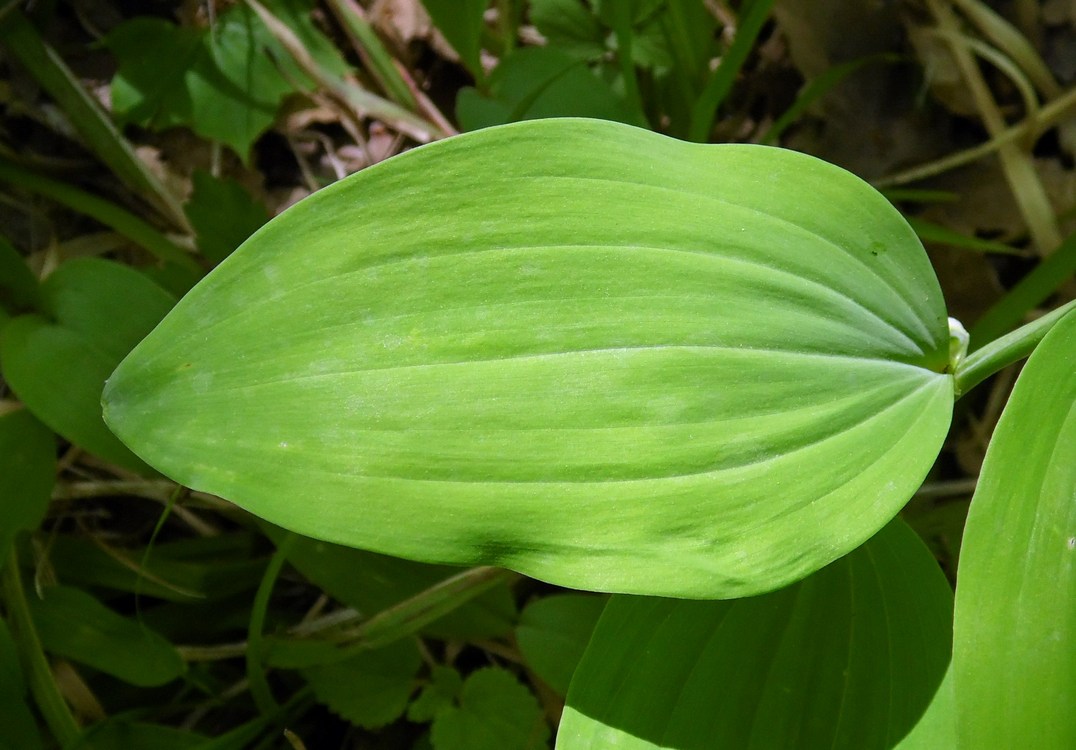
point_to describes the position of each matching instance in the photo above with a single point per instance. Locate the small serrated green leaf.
(73, 624)
(155, 57)
(370, 689)
(443, 689)
(495, 712)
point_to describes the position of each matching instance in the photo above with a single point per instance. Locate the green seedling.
(709, 375)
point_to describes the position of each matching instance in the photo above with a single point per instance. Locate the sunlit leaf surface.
(596, 355)
(847, 659)
(1014, 651)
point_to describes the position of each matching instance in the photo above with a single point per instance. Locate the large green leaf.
(850, 657)
(580, 350)
(1014, 652)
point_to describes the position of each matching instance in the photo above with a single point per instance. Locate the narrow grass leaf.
(929, 231)
(377, 59)
(27, 473)
(818, 87)
(84, 112)
(585, 352)
(204, 568)
(371, 583)
(1031, 291)
(73, 624)
(1015, 631)
(125, 734)
(124, 222)
(753, 15)
(847, 659)
(18, 727)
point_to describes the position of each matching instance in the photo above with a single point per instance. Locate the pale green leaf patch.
(1014, 651)
(586, 352)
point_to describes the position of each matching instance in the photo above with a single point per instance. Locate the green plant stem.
(622, 29)
(1032, 290)
(246, 734)
(373, 53)
(109, 214)
(355, 101)
(259, 686)
(1002, 352)
(1050, 114)
(46, 694)
(819, 87)
(399, 621)
(411, 615)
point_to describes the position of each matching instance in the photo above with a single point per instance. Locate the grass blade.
(22, 40)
